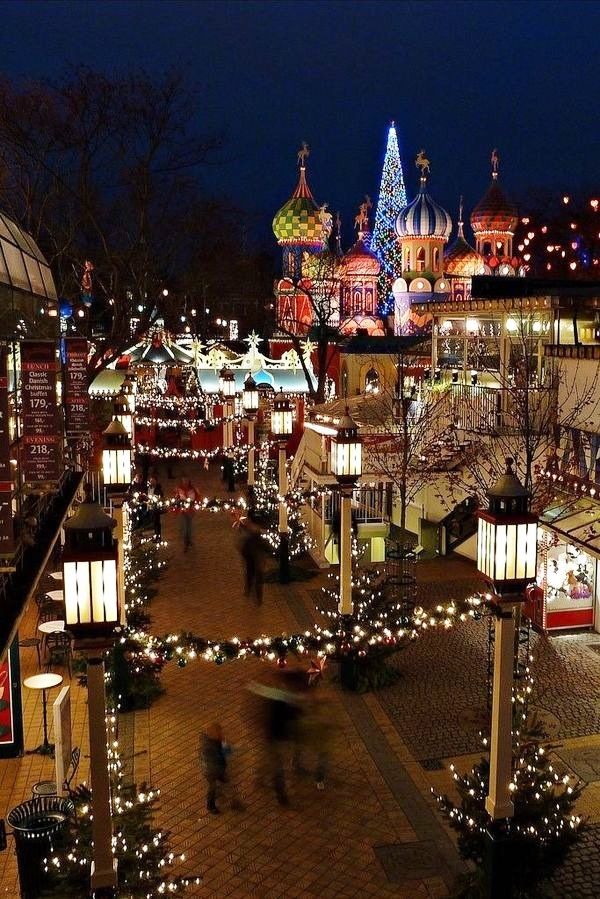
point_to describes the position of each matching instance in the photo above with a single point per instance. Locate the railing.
(496, 410)
(373, 509)
(570, 351)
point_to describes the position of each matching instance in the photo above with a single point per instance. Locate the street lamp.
(129, 390)
(346, 465)
(123, 413)
(116, 456)
(227, 391)
(507, 557)
(250, 403)
(92, 613)
(282, 425)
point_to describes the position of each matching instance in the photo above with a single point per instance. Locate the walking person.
(254, 556)
(213, 756)
(155, 498)
(187, 494)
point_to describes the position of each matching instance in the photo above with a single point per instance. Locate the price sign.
(7, 543)
(76, 387)
(41, 438)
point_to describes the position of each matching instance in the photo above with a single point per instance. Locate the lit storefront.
(568, 591)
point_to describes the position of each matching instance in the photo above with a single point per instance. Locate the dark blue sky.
(458, 78)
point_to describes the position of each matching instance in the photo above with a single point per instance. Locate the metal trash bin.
(37, 824)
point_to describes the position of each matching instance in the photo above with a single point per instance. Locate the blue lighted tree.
(392, 198)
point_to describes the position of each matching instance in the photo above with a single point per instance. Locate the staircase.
(457, 526)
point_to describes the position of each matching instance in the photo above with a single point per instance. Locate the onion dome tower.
(493, 221)
(461, 260)
(360, 269)
(423, 228)
(300, 225)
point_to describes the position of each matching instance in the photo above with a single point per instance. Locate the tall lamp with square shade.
(129, 390)
(250, 404)
(116, 456)
(346, 465)
(227, 390)
(90, 583)
(507, 558)
(123, 413)
(282, 426)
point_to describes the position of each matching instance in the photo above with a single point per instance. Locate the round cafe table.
(43, 682)
(55, 595)
(51, 627)
(56, 575)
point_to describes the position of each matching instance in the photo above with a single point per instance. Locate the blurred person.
(253, 552)
(186, 493)
(156, 496)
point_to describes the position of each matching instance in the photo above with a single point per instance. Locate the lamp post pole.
(92, 612)
(282, 421)
(104, 871)
(346, 465)
(345, 601)
(507, 557)
(250, 403)
(227, 390)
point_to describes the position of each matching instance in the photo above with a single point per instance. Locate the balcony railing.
(501, 410)
(570, 351)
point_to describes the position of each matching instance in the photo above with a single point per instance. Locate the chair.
(48, 787)
(27, 642)
(60, 650)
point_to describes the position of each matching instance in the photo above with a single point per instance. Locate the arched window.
(368, 307)
(407, 260)
(421, 259)
(487, 248)
(436, 259)
(357, 305)
(372, 381)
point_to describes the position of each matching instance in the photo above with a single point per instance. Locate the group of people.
(149, 495)
(297, 728)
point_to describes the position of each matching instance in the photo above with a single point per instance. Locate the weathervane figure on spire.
(361, 221)
(460, 209)
(303, 152)
(422, 163)
(326, 219)
(495, 160)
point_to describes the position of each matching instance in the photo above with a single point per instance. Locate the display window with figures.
(569, 577)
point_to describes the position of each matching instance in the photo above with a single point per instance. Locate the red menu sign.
(6, 523)
(41, 437)
(76, 387)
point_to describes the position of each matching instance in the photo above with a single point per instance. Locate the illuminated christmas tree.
(392, 198)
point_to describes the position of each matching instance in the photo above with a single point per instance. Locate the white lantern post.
(346, 465)
(123, 413)
(92, 612)
(116, 458)
(507, 557)
(250, 402)
(129, 390)
(282, 426)
(227, 391)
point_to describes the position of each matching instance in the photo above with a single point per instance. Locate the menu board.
(41, 437)
(6, 523)
(11, 719)
(76, 387)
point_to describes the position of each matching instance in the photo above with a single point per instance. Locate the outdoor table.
(51, 627)
(43, 682)
(55, 595)
(56, 575)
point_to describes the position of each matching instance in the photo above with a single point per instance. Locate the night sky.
(458, 78)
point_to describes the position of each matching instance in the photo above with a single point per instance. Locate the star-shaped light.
(317, 667)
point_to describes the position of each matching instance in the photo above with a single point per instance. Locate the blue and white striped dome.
(423, 218)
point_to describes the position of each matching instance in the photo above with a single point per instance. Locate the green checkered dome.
(298, 222)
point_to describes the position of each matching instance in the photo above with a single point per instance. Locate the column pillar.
(498, 803)
(345, 602)
(104, 870)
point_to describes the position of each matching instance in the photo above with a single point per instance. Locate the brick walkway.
(374, 831)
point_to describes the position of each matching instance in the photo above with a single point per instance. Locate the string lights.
(392, 198)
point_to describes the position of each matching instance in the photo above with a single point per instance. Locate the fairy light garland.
(146, 862)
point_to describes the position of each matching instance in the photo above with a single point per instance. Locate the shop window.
(569, 577)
